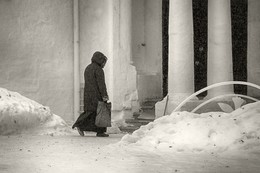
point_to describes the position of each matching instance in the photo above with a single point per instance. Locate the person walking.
(95, 90)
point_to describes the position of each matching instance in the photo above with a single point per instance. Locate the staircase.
(146, 115)
(134, 124)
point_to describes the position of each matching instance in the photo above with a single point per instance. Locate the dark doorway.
(165, 39)
(239, 43)
(200, 18)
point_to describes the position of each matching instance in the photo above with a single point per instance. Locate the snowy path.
(69, 154)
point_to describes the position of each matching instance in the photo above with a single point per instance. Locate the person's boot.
(102, 135)
(81, 133)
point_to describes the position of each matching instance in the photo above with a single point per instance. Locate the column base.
(215, 94)
(173, 101)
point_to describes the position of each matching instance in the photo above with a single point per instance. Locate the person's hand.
(105, 99)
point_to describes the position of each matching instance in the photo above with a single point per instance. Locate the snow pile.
(215, 131)
(18, 113)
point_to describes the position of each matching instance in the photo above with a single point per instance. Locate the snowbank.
(215, 131)
(20, 114)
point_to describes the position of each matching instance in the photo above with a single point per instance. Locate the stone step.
(149, 104)
(144, 107)
(129, 129)
(138, 121)
(134, 124)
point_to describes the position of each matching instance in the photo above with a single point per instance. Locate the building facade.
(45, 46)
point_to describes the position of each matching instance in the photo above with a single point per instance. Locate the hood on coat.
(99, 58)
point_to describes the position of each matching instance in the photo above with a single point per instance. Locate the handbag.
(103, 118)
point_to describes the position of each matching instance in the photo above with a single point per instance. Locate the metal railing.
(217, 97)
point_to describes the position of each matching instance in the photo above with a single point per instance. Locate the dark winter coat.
(95, 88)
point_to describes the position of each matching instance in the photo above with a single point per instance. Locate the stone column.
(122, 75)
(253, 53)
(219, 46)
(181, 54)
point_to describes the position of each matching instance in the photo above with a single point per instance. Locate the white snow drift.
(19, 114)
(215, 131)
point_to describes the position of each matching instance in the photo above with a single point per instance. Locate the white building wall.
(36, 52)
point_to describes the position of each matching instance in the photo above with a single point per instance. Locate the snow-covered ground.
(73, 154)
(32, 139)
